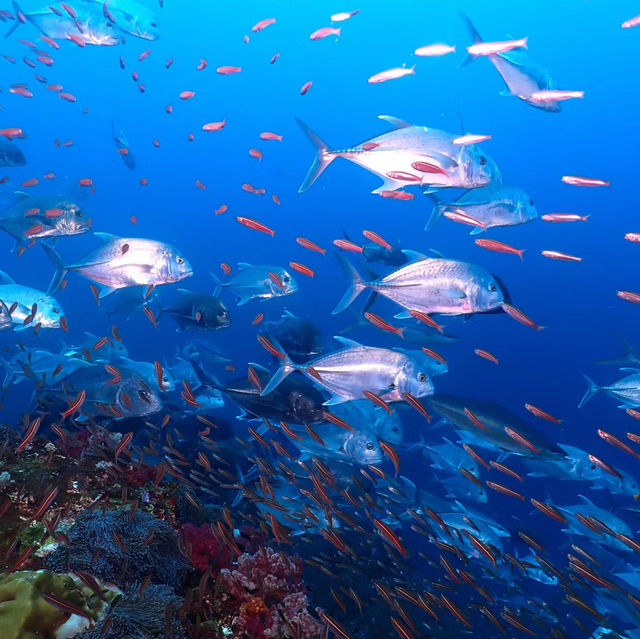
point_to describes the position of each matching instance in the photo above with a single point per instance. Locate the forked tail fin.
(591, 391)
(324, 157)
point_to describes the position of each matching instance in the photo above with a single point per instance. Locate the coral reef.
(25, 614)
(122, 549)
(204, 550)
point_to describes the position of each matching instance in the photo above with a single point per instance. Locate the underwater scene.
(319, 320)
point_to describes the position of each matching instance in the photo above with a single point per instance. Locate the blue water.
(579, 41)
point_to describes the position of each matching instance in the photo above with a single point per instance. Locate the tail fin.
(591, 391)
(286, 368)
(475, 36)
(61, 271)
(217, 282)
(17, 22)
(630, 355)
(436, 214)
(355, 288)
(324, 157)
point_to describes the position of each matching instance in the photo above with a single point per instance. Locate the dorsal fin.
(396, 123)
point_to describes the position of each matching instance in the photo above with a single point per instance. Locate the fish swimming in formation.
(93, 22)
(42, 217)
(409, 155)
(347, 373)
(11, 154)
(262, 282)
(432, 285)
(121, 262)
(32, 307)
(492, 205)
(197, 311)
(523, 77)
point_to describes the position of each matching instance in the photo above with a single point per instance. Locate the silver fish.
(626, 390)
(5, 318)
(386, 426)
(355, 368)
(431, 285)
(520, 73)
(257, 282)
(48, 310)
(409, 155)
(48, 217)
(492, 205)
(125, 261)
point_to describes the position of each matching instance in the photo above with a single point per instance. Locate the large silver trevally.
(48, 310)
(626, 390)
(257, 282)
(95, 22)
(363, 413)
(520, 73)
(348, 372)
(10, 154)
(432, 285)
(409, 155)
(492, 205)
(125, 261)
(29, 218)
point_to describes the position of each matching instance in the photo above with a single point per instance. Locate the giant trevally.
(198, 311)
(348, 372)
(10, 154)
(299, 336)
(28, 218)
(363, 413)
(32, 307)
(262, 282)
(125, 261)
(491, 205)
(494, 419)
(520, 73)
(123, 149)
(94, 21)
(432, 285)
(626, 390)
(409, 155)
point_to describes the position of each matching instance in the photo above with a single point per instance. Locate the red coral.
(204, 549)
(266, 597)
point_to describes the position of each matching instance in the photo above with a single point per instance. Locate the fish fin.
(356, 286)
(287, 314)
(260, 367)
(217, 284)
(17, 23)
(402, 315)
(389, 185)
(242, 301)
(475, 36)
(396, 123)
(592, 389)
(106, 237)
(536, 474)
(324, 157)
(629, 369)
(414, 256)
(105, 290)
(436, 214)
(345, 342)
(630, 355)
(60, 271)
(505, 93)
(477, 231)
(243, 265)
(437, 253)
(334, 400)
(287, 366)
(6, 279)
(373, 296)
(184, 291)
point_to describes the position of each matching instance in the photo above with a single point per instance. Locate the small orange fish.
(255, 153)
(214, 126)
(500, 247)
(223, 209)
(376, 239)
(255, 225)
(302, 268)
(227, 70)
(486, 355)
(378, 322)
(305, 87)
(267, 135)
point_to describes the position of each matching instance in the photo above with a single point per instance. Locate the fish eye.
(483, 160)
(153, 24)
(395, 429)
(55, 310)
(492, 287)
(144, 395)
(369, 446)
(285, 278)
(179, 259)
(392, 386)
(422, 378)
(531, 202)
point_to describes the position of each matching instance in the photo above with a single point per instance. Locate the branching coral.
(122, 549)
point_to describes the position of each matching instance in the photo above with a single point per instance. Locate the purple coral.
(268, 597)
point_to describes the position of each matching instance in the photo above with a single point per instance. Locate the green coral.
(24, 614)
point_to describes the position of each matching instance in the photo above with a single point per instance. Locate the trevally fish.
(125, 261)
(520, 73)
(363, 413)
(29, 218)
(432, 285)
(257, 282)
(294, 401)
(123, 149)
(10, 154)
(494, 418)
(30, 303)
(409, 155)
(5, 317)
(144, 370)
(125, 301)
(297, 335)
(95, 22)
(492, 205)
(626, 390)
(129, 397)
(198, 311)
(348, 372)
